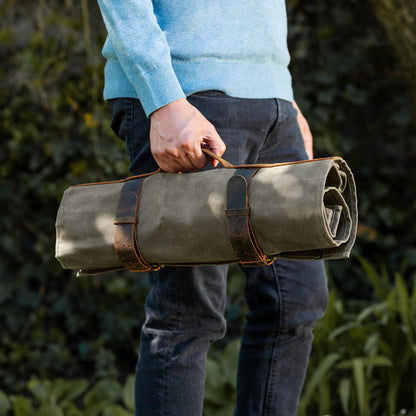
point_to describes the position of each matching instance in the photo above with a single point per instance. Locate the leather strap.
(238, 220)
(125, 226)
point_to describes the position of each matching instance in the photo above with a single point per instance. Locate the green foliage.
(55, 132)
(398, 19)
(350, 86)
(364, 356)
(220, 385)
(71, 398)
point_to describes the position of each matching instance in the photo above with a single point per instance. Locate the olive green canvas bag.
(250, 214)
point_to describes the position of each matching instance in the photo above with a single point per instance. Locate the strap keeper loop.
(237, 212)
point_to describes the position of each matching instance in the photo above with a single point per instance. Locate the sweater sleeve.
(142, 50)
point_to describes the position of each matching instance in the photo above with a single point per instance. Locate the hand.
(177, 132)
(306, 132)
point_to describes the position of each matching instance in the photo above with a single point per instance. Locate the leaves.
(61, 397)
(110, 389)
(48, 392)
(22, 406)
(221, 376)
(320, 375)
(5, 404)
(367, 360)
(128, 393)
(342, 66)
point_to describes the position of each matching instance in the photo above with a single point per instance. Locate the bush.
(351, 88)
(55, 132)
(71, 398)
(364, 354)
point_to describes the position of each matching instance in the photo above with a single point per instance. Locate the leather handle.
(212, 155)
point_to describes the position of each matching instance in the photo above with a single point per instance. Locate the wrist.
(173, 106)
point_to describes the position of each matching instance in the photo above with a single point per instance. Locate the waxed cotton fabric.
(305, 210)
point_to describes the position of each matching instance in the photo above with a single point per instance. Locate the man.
(181, 75)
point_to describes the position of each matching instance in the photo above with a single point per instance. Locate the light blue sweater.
(161, 50)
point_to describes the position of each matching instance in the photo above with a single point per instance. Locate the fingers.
(178, 155)
(176, 160)
(216, 145)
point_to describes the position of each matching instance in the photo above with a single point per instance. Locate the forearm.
(142, 50)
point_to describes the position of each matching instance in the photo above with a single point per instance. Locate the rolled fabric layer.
(302, 210)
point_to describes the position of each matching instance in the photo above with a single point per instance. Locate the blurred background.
(69, 345)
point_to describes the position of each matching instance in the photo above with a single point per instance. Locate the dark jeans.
(185, 307)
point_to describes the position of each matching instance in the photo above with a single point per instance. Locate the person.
(214, 73)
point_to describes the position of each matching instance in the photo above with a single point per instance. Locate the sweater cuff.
(158, 88)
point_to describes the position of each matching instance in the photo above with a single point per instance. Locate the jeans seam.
(282, 111)
(281, 117)
(129, 131)
(166, 385)
(272, 127)
(270, 379)
(132, 124)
